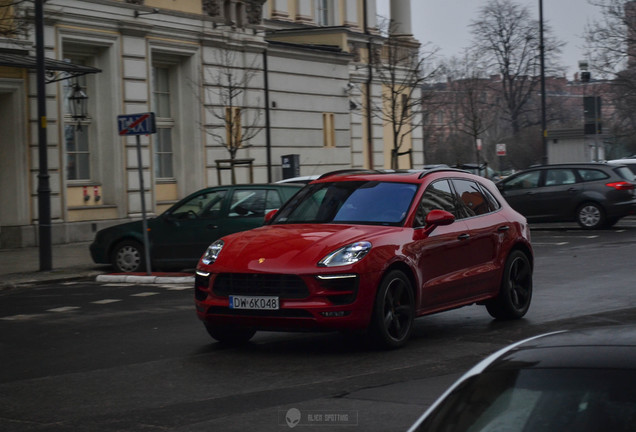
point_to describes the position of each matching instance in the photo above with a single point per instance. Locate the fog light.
(334, 314)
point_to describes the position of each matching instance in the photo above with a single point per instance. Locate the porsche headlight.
(212, 252)
(346, 255)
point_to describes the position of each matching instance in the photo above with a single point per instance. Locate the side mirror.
(436, 218)
(270, 215)
(439, 217)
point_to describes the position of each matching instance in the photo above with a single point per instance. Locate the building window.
(324, 12)
(329, 130)
(161, 100)
(77, 152)
(163, 153)
(76, 131)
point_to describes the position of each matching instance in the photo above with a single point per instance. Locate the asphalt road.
(108, 357)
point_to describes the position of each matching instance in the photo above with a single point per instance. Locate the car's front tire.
(590, 216)
(230, 335)
(515, 291)
(393, 311)
(128, 256)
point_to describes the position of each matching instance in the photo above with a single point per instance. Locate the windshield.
(539, 400)
(354, 202)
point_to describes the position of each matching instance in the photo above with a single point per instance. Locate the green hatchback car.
(180, 235)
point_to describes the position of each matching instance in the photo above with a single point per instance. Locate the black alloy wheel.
(515, 292)
(394, 311)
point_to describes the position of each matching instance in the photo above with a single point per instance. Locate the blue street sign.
(137, 124)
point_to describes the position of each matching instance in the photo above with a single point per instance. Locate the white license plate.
(254, 302)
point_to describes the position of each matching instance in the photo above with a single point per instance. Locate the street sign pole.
(140, 124)
(144, 221)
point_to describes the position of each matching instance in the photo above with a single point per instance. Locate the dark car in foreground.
(369, 251)
(566, 381)
(595, 195)
(180, 235)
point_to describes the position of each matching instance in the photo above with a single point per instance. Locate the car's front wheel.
(393, 311)
(230, 335)
(590, 216)
(515, 291)
(128, 256)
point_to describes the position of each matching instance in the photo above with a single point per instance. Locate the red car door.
(441, 255)
(487, 230)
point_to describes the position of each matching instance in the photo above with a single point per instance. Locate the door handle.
(212, 226)
(463, 236)
(503, 228)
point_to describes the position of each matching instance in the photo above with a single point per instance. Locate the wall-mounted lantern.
(77, 101)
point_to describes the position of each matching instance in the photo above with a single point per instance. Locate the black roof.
(607, 348)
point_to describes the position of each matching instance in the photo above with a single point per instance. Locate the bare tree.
(402, 67)
(507, 37)
(238, 121)
(13, 20)
(473, 108)
(611, 40)
(611, 44)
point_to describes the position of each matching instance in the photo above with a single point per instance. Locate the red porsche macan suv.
(369, 250)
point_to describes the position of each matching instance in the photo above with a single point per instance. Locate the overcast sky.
(445, 23)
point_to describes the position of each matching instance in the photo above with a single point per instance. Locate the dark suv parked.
(593, 194)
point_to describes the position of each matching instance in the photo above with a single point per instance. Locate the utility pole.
(544, 127)
(44, 188)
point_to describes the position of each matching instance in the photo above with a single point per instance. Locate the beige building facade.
(298, 66)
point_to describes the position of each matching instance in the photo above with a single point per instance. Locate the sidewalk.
(71, 261)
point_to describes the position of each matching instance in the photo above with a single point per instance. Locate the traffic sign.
(501, 149)
(137, 124)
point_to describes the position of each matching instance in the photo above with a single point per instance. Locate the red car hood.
(280, 248)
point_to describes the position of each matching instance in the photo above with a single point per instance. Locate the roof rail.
(432, 170)
(349, 171)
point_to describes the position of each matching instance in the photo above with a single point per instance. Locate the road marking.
(549, 244)
(21, 317)
(144, 294)
(106, 301)
(177, 287)
(64, 309)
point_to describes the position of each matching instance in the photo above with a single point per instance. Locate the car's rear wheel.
(393, 311)
(590, 216)
(128, 256)
(515, 291)
(230, 335)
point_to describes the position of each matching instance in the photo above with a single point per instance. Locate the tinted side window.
(437, 196)
(492, 201)
(523, 181)
(559, 176)
(592, 174)
(469, 193)
(248, 202)
(205, 205)
(628, 173)
(273, 201)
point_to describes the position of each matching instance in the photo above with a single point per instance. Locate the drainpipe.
(44, 189)
(368, 86)
(268, 137)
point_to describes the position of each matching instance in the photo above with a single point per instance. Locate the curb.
(120, 278)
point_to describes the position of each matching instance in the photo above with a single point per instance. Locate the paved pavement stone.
(71, 261)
